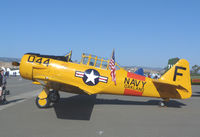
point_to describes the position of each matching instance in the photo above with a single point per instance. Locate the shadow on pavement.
(195, 95)
(15, 100)
(80, 107)
(171, 103)
(11, 101)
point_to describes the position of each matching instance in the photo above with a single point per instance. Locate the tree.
(195, 69)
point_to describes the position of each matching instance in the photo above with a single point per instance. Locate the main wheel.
(54, 96)
(162, 103)
(42, 103)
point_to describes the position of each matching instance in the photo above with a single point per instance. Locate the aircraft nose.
(26, 67)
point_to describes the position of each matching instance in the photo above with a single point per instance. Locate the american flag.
(112, 67)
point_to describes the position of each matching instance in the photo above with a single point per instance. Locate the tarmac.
(96, 116)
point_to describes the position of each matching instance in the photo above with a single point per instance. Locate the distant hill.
(148, 68)
(6, 59)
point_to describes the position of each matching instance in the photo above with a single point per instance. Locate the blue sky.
(143, 32)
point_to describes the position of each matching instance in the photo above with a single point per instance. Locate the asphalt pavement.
(96, 116)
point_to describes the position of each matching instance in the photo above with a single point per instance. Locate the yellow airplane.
(93, 76)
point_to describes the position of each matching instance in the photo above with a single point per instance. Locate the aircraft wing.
(46, 81)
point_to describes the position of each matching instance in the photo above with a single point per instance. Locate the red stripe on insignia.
(132, 92)
(135, 76)
(102, 79)
(79, 74)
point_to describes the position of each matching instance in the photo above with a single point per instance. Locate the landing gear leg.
(164, 102)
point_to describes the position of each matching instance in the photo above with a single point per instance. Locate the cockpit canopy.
(87, 59)
(95, 61)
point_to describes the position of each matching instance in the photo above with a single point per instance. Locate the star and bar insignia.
(91, 77)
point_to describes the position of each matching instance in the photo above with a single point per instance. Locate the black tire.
(54, 96)
(162, 104)
(42, 103)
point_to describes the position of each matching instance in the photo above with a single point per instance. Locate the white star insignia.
(91, 77)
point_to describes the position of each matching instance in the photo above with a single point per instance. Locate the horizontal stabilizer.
(162, 82)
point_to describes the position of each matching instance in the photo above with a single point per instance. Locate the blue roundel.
(91, 77)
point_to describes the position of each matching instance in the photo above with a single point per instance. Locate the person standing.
(1, 84)
(2, 87)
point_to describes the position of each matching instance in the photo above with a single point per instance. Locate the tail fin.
(179, 74)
